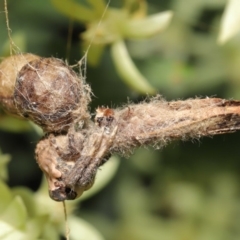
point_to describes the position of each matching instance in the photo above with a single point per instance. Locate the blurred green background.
(186, 191)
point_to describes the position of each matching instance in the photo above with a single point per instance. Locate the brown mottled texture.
(155, 122)
(45, 91)
(55, 166)
(48, 92)
(77, 157)
(9, 68)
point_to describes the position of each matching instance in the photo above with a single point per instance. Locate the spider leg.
(68, 153)
(94, 153)
(94, 147)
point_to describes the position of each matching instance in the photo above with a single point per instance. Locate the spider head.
(61, 192)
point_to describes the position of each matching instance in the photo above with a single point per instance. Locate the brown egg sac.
(9, 68)
(43, 90)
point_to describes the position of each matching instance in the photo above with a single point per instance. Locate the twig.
(70, 161)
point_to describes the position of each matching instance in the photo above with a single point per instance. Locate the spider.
(71, 169)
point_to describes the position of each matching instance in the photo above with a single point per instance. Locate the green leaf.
(36, 226)
(36, 128)
(94, 55)
(127, 69)
(6, 196)
(11, 124)
(15, 214)
(28, 199)
(147, 27)
(74, 10)
(81, 229)
(98, 6)
(4, 160)
(19, 39)
(50, 232)
(230, 25)
(9, 233)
